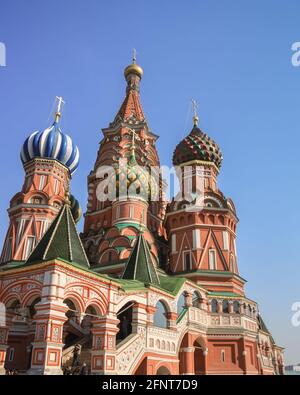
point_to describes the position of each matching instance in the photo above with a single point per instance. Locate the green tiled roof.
(263, 327)
(12, 265)
(140, 266)
(221, 273)
(130, 285)
(61, 240)
(171, 284)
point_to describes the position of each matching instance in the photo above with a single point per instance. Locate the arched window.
(187, 261)
(196, 299)
(163, 371)
(72, 313)
(173, 242)
(160, 316)
(32, 309)
(232, 267)
(124, 316)
(225, 306)
(180, 303)
(14, 306)
(56, 204)
(89, 315)
(212, 259)
(214, 306)
(248, 310)
(36, 200)
(236, 307)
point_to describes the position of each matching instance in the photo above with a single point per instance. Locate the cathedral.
(151, 286)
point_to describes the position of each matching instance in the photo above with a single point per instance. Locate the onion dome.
(133, 180)
(197, 146)
(51, 143)
(75, 209)
(133, 68)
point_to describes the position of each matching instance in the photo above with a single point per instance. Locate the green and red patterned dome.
(197, 146)
(133, 181)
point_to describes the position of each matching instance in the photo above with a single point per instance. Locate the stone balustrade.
(162, 339)
(201, 317)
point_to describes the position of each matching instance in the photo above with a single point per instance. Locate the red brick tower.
(49, 158)
(120, 220)
(201, 221)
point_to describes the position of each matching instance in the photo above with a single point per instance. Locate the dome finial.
(133, 68)
(195, 108)
(134, 56)
(60, 102)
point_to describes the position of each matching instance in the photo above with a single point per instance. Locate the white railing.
(152, 338)
(197, 316)
(162, 339)
(232, 320)
(128, 352)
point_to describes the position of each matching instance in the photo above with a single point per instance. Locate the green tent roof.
(140, 266)
(263, 327)
(61, 240)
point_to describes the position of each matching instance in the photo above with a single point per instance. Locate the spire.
(60, 102)
(195, 108)
(61, 240)
(131, 106)
(140, 266)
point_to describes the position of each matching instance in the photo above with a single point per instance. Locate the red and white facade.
(198, 320)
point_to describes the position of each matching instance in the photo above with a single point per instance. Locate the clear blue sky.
(232, 56)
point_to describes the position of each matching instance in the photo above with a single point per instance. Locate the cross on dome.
(195, 108)
(134, 55)
(60, 102)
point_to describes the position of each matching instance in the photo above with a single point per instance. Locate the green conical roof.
(140, 266)
(262, 326)
(61, 240)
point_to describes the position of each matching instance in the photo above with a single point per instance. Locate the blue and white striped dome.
(51, 143)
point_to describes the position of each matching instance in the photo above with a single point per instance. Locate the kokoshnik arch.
(149, 287)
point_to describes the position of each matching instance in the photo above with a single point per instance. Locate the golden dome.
(133, 69)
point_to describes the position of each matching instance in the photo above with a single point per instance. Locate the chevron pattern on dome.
(61, 240)
(197, 146)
